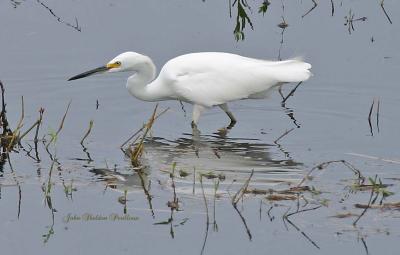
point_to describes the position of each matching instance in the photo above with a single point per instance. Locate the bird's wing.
(211, 79)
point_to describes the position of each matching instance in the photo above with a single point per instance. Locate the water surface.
(328, 115)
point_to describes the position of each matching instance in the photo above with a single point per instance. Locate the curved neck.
(139, 85)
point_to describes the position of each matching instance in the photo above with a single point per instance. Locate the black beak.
(89, 73)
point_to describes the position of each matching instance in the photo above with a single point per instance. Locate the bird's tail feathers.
(293, 70)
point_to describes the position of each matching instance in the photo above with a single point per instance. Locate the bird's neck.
(140, 84)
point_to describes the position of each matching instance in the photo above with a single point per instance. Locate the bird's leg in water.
(197, 110)
(280, 92)
(225, 108)
(195, 130)
(223, 132)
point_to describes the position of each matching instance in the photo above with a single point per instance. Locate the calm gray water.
(39, 53)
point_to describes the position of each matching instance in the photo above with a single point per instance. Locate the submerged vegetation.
(309, 195)
(11, 139)
(243, 10)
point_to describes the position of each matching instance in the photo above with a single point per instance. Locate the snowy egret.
(204, 79)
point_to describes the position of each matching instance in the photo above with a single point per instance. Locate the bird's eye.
(118, 63)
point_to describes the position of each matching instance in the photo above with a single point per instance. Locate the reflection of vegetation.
(313, 7)
(241, 18)
(350, 21)
(264, 7)
(75, 26)
(385, 12)
(244, 11)
(239, 196)
(11, 140)
(54, 135)
(173, 205)
(135, 149)
(15, 3)
(47, 198)
(296, 200)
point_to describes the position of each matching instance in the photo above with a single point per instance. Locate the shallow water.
(328, 115)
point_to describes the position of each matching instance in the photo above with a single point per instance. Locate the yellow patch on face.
(113, 65)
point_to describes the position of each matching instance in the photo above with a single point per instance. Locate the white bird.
(204, 79)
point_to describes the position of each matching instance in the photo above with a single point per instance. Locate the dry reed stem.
(15, 134)
(239, 194)
(36, 124)
(384, 11)
(87, 132)
(141, 129)
(322, 165)
(312, 8)
(137, 151)
(367, 207)
(41, 111)
(60, 127)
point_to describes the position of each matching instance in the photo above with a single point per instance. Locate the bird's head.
(127, 61)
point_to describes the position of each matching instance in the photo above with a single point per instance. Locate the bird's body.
(205, 79)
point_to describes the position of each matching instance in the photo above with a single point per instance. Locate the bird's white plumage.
(213, 78)
(205, 79)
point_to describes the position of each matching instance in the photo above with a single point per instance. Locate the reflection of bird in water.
(204, 79)
(228, 159)
(137, 181)
(234, 157)
(122, 182)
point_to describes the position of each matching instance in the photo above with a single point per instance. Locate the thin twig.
(290, 94)
(312, 8)
(244, 222)
(290, 113)
(141, 129)
(377, 114)
(174, 205)
(183, 108)
(285, 217)
(304, 210)
(4, 121)
(322, 165)
(18, 185)
(207, 217)
(48, 187)
(29, 130)
(36, 140)
(271, 218)
(19, 126)
(368, 205)
(280, 92)
(146, 192)
(60, 127)
(194, 180)
(16, 132)
(132, 136)
(369, 117)
(239, 194)
(41, 111)
(36, 124)
(365, 245)
(87, 132)
(283, 135)
(350, 21)
(204, 198)
(76, 26)
(216, 185)
(386, 14)
(137, 151)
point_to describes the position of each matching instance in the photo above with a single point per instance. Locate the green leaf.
(264, 7)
